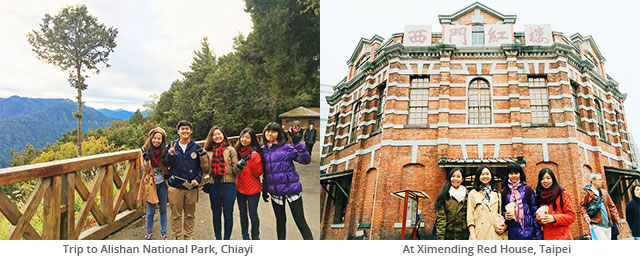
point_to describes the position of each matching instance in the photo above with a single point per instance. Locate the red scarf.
(156, 159)
(547, 196)
(244, 151)
(217, 159)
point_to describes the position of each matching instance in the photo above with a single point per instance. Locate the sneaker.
(147, 237)
(163, 237)
(175, 238)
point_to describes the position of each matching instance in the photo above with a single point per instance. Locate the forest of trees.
(272, 70)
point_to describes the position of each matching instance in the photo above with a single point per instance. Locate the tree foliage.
(75, 42)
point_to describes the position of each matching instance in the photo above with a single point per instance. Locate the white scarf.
(458, 193)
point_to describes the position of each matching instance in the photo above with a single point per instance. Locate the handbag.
(206, 187)
(594, 206)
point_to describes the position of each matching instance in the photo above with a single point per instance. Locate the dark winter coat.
(183, 164)
(280, 174)
(633, 216)
(531, 229)
(310, 136)
(451, 220)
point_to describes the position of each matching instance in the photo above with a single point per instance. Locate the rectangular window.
(335, 129)
(576, 105)
(539, 98)
(601, 128)
(479, 102)
(381, 99)
(477, 35)
(353, 131)
(419, 101)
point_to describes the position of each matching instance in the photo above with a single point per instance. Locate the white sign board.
(417, 35)
(459, 35)
(538, 34)
(497, 34)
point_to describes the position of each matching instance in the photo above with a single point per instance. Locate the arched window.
(601, 128)
(379, 112)
(479, 102)
(576, 104)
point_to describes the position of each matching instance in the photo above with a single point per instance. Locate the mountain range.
(38, 121)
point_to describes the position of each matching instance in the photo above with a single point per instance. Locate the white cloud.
(156, 40)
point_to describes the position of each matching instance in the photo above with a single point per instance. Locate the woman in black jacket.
(633, 213)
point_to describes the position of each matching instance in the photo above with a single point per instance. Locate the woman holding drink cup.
(520, 205)
(483, 208)
(555, 212)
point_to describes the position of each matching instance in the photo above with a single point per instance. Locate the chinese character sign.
(538, 34)
(457, 34)
(496, 34)
(417, 35)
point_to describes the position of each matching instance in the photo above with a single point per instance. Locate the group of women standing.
(517, 212)
(234, 173)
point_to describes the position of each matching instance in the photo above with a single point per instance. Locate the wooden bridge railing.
(59, 181)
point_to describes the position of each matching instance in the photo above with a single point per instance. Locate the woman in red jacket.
(248, 182)
(558, 213)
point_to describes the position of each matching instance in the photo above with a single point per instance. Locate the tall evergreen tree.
(74, 41)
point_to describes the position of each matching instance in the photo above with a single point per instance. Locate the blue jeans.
(222, 197)
(161, 189)
(252, 201)
(636, 238)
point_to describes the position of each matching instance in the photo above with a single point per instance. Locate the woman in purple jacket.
(521, 199)
(281, 180)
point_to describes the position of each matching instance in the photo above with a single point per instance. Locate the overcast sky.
(156, 40)
(612, 24)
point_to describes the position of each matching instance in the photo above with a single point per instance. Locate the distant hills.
(37, 121)
(119, 114)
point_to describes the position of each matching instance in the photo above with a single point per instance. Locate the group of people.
(174, 172)
(520, 212)
(308, 135)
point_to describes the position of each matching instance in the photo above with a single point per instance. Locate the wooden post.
(106, 194)
(404, 215)
(71, 207)
(51, 210)
(63, 202)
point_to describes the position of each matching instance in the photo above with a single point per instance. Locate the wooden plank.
(32, 205)
(89, 202)
(133, 184)
(11, 212)
(51, 210)
(106, 194)
(84, 194)
(71, 206)
(123, 189)
(42, 170)
(122, 220)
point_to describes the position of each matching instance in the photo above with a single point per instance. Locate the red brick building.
(471, 95)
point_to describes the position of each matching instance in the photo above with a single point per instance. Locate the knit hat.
(159, 130)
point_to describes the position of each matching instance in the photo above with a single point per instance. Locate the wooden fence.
(59, 181)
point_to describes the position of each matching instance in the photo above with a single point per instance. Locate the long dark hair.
(444, 192)
(273, 126)
(148, 146)
(476, 180)
(513, 167)
(556, 189)
(208, 143)
(633, 192)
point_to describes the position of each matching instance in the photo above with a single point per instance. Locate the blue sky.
(156, 40)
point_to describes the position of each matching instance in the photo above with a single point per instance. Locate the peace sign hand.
(172, 148)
